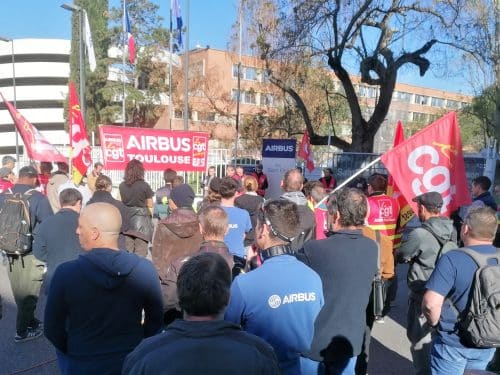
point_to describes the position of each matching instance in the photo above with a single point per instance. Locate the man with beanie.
(422, 249)
(176, 236)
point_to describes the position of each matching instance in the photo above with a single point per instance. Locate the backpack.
(479, 323)
(15, 223)
(445, 245)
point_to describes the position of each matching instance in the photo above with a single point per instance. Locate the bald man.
(93, 315)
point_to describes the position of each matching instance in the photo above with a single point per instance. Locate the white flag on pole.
(88, 42)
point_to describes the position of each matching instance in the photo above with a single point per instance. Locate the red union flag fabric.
(305, 152)
(80, 146)
(431, 160)
(157, 149)
(37, 147)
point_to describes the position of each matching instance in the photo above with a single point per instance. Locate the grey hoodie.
(421, 249)
(307, 224)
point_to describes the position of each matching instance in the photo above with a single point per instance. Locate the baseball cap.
(4, 172)
(429, 200)
(182, 195)
(28, 171)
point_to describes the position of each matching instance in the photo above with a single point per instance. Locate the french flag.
(131, 40)
(176, 10)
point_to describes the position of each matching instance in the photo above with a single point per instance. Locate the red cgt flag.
(37, 147)
(305, 152)
(81, 152)
(431, 160)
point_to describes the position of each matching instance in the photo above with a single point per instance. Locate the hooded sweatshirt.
(94, 309)
(307, 224)
(176, 236)
(421, 249)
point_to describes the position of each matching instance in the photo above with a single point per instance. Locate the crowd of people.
(153, 283)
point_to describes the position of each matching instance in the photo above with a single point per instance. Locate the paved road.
(389, 351)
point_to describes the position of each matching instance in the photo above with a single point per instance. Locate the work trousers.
(418, 332)
(25, 275)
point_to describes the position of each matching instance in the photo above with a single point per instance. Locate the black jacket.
(206, 347)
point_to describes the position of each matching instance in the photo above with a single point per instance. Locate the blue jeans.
(341, 367)
(449, 360)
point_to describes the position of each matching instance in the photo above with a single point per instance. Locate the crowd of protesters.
(155, 283)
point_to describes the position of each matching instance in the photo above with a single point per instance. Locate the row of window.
(196, 116)
(249, 73)
(427, 100)
(255, 98)
(412, 116)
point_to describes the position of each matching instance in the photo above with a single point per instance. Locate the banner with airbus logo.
(278, 156)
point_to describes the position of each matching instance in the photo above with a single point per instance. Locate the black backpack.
(15, 223)
(479, 323)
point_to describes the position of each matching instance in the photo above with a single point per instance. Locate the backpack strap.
(480, 259)
(439, 240)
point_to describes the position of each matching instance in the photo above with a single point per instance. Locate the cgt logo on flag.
(113, 148)
(431, 160)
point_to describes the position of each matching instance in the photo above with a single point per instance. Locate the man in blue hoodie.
(93, 315)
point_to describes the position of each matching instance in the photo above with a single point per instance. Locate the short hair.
(103, 182)
(203, 285)
(293, 180)
(228, 187)
(282, 216)
(46, 166)
(483, 182)
(318, 192)
(230, 167)
(352, 207)
(250, 183)
(7, 158)
(482, 223)
(240, 167)
(98, 164)
(63, 166)
(378, 182)
(177, 180)
(213, 220)
(308, 186)
(169, 175)
(70, 197)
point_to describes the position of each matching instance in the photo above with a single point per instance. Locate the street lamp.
(79, 10)
(3, 39)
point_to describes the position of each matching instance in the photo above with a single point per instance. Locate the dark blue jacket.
(487, 199)
(55, 241)
(94, 309)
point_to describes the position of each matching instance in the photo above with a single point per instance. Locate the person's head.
(259, 168)
(213, 223)
(169, 175)
(98, 166)
(8, 162)
(214, 190)
(46, 167)
(28, 176)
(240, 171)
(230, 171)
(71, 198)
(203, 286)
(347, 208)
(277, 223)
(308, 188)
(480, 185)
(211, 170)
(5, 173)
(318, 192)
(359, 183)
(99, 226)
(63, 167)
(134, 171)
(428, 205)
(327, 172)
(250, 183)
(181, 196)
(228, 188)
(177, 180)
(103, 183)
(479, 227)
(377, 183)
(292, 180)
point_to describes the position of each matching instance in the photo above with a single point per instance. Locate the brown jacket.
(176, 236)
(386, 255)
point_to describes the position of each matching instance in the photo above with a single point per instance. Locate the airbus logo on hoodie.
(276, 301)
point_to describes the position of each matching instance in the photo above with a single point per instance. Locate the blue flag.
(176, 11)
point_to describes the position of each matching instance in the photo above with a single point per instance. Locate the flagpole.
(186, 71)
(372, 163)
(170, 107)
(123, 60)
(238, 96)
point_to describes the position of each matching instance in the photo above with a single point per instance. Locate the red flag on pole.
(305, 152)
(80, 146)
(431, 160)
(37, 147)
